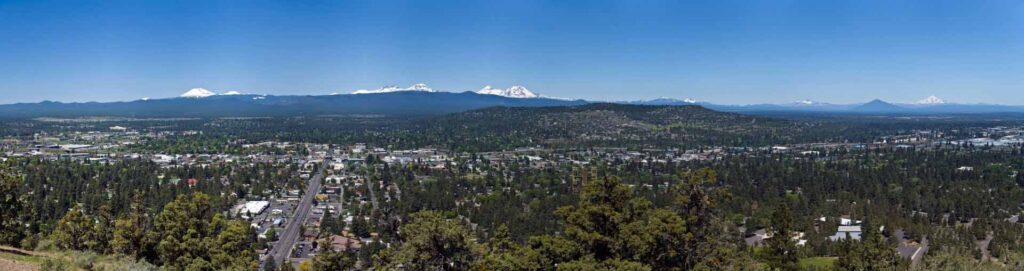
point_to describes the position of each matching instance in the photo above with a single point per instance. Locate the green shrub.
(53, 264)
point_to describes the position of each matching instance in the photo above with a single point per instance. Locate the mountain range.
(928, 106)
(420, 99)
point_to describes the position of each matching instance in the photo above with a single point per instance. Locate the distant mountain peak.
(807, 102)
(689, 101)
(417, 87)
(516, 91)
(198, 93)
(878, 105)
(931, 100)
(232, 93)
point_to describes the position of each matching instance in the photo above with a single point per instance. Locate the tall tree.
(782, 252)
(232, 248)
(12, 208)
(130, 230)
(329, 260)
(871, 252)
(73, 230)
(102, 232)
(329, 224)
(432, 242)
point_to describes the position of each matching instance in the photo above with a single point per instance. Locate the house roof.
(849, 229)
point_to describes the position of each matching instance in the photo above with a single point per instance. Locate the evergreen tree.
(432, 242)
(270, 264)
(781, 251)
(12, 208)
(102, 232)
(329, 260)
(504, 253)
(130, 231)
(233, 247)
(73, 230)
(872, 252)
(180, 231)
(360, 227)
(329, 223)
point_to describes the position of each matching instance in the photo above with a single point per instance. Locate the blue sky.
(735, 52)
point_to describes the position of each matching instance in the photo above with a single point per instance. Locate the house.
(853, 232)
(251, 208)
(910, 250)
(757, 239)
(342, 243)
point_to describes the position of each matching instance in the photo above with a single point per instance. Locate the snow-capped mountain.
(807, 103)
(416, 87)
(512, 92)
(663, 101)
(931, 100)
(232, 93)
(197, 93)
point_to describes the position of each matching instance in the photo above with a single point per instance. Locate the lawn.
(817, 263)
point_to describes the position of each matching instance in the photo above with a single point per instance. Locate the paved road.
(371, 185)
(282, 250)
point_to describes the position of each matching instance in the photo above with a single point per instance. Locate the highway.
(282, 250)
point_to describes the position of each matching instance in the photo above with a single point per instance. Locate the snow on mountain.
(806, 102)
(512, 92)
(931, 100)
(198, 93)
(689, 101)
(232, 93)
(416, 87)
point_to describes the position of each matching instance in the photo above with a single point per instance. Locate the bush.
(84, 260)
(128, 264)
(52, 264)
(46, 245)
(30, 242)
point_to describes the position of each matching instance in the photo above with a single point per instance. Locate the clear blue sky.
(720, 51)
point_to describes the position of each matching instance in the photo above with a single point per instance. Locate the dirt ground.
(8, 264)
(11, 265)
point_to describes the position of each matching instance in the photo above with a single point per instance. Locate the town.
(333, 198)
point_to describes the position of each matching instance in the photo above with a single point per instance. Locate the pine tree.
(270, 264)
(102, 232)
(181, 232)
(233, 247)
(432, 242)
(12, 208)
(872, 252)
(329, 260)
(781, 247)
(360, 227)
(329, 224)
(130, 230)
(73, 230)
